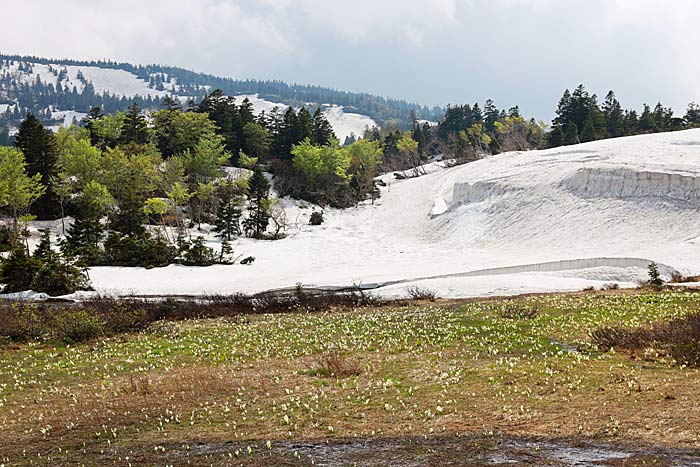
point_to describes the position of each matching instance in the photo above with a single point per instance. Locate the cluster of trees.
(465, 133)
(138, 185)
(131, 205)
(580, 118)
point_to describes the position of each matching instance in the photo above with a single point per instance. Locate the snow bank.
(553, 220)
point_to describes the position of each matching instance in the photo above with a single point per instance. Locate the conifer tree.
(41, 154)
(322, 131)
(134, 128)
(614, 117)
(258, 195)
(228, 212)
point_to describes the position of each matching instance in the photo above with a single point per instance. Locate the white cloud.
(435, 51)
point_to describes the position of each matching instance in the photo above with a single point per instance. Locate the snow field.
(503, 218)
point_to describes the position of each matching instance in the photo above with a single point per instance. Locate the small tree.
(655, 275)
(84, 236)
(17, 189)
(228, 212)
(258, 194)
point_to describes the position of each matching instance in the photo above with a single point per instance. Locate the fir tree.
(614, 117)
(571, 133)
(43, 250)
(41, 154)
(322, 131)
(258, 195)
(134, 128)
(228, 212)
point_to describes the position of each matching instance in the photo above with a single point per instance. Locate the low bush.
(679, 338)
(106, 316)
(18, 271)
(422, 294)
(336, 365)
(316, 218)
(133, 251)
(60, 277)
(78, 325)
(517, 311)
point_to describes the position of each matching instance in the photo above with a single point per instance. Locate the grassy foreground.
(230, 392)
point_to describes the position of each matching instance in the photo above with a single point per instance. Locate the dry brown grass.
(336, 365)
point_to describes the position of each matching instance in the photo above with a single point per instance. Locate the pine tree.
(91, 125)
(588, 133)
(571, 133)
(556, 137)
(258, 194)
(228, 212)
(41, 154)
(43, 250)
(647, 123)
(134, 128)
(322, 131)
(614, 117)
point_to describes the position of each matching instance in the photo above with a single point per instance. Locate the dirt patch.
(425, 452)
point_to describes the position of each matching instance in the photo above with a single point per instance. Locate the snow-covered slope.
(344, 123)
(560, 219)
(119, 82)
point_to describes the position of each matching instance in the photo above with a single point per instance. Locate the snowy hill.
(559, 219)
(52, 88)
(49, 80)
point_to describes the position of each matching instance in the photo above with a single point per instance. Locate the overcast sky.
(433, 52)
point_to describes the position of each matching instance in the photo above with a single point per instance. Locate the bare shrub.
(102, 316)
(336, 365)
(518, 311)
(678, 337)
(422, 294)
(607, 338)
(678, 278)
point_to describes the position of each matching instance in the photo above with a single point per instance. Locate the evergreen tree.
(228, 212)
(614, 116)
(692, 115)
(322, 131)
(570, 133)
(134, 128)
(43, 250)
(588, 133)
(41, 154)
(556, 137)
(258, 196)
(647, 123)
(91, 124)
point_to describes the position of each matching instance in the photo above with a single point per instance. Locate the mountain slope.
(58, 90)
(560, 219)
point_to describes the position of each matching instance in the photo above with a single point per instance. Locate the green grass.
(428, 369)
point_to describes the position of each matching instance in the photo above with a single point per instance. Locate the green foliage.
(177, 132)
(134, 128)
(140, 251)
(18, 190)
(204, 161)
(199, 254)
(79, 325)
(18, 271)
(58, 276)
(654, 275)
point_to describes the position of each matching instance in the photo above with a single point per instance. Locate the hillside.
(559, 219)
(61, 92)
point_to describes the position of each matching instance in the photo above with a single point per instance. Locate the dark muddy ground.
(420, 452)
